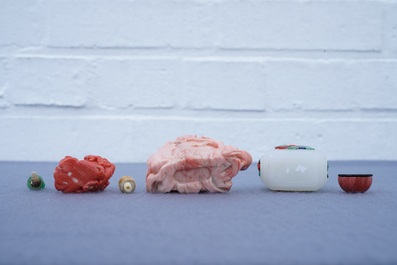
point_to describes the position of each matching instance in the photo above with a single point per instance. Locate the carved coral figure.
(88, 175)
(191, 164)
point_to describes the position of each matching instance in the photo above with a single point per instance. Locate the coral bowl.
(355, 183)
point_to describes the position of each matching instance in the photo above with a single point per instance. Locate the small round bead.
(127, 184)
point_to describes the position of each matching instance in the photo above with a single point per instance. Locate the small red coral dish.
(355, 183)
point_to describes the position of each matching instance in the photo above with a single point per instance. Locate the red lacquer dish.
(88, 175)
(355, 183)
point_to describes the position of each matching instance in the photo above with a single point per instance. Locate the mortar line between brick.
(200, 54)
(207, 58)
(194, 119)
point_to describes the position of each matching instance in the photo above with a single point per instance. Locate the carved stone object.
(190, 165)
(88, 175)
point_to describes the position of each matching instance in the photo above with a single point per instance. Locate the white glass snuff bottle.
(293, 168)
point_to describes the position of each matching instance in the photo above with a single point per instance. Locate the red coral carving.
(88, 175)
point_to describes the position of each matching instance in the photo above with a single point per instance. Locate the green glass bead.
(37, 183)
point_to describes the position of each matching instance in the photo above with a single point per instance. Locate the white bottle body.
(293, 170)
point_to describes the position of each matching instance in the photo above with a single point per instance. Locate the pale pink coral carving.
(191, 164)
(88, 175)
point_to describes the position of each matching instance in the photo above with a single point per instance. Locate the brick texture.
(332, 85)
(226, 85)
(140, 83)
(119, 78)
(299, 25)
(23, 23)
(144, 24)
(3, 81)
(48, 81)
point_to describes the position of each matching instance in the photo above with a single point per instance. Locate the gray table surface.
(248, 225)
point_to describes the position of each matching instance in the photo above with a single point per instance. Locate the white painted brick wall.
(143, 24)
(23, 23)
(299, 25)
(332, 85)
(119, 78)
(223, 85)
(140, 83)
(48, 81)
(3, 81)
